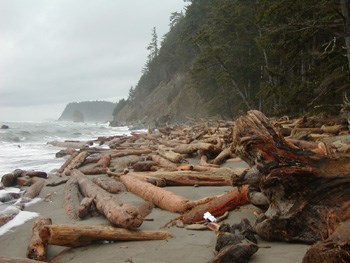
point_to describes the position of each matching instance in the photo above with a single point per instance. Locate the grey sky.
(53, 52)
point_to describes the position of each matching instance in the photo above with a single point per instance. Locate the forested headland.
(223, 57)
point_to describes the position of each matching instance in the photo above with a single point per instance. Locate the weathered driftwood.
(143, 166)
(93, 170)
(37, 248)
(336, 248)
(170, 155)
(158, 196)
(9, 179)
(34, 174)
(185, 178)
(35, 189)
(8, 214)
(307, 194)
(82, 235)
(71, 144)
(67, 162)
(76, 162)
(217, 206)
(85, 206)
(130, 152)
(223, 156)
(124, 215)
(164, 162)
(104, 161)
(234, 243)
(71, 199)
(193, 147)
(110, 185)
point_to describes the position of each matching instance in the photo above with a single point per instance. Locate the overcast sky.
(53, 52)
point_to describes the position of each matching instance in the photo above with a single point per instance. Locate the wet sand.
(185, 245)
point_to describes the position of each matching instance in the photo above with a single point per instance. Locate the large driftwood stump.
(305, 194)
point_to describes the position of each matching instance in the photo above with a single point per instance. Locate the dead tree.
(306, 194)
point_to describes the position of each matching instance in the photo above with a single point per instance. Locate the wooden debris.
(308, 193)
(336, 248)
(217, 206)
(72, 197)
(76, 162)
(124, 215)
(110, 185)
(158, 196)
(82, 235)
(37, 248)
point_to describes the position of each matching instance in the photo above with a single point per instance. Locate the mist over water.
(24, 144)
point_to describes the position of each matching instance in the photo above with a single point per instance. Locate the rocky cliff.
(88, 111)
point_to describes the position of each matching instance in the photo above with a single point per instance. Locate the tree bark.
(110, 185)
(76, 162)
(72, 197)
(158, 196)
(308, 194)
(124, 215)
(217, 206)
(82, 235)
(37, 248)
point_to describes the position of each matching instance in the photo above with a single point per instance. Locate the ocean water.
(24, 145)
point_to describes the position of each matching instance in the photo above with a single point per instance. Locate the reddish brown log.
(82, 235)
(158, 196)
(37, 248)
(170, 155)
(130, 152)
(124, 215)
(218, 206)
(72, 197)
(93, 171)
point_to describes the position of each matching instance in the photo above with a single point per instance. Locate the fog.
(60, 51)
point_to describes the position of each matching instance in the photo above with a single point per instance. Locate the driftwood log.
(307, 194)
(217, 206)
(18, 260)
(37, 248)
(82, 235)
(334, 249)
(124, 215)
(235, 243)
(72, 197)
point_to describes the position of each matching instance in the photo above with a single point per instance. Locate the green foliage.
(280, 56)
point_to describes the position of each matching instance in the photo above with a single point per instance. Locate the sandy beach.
(184, 246)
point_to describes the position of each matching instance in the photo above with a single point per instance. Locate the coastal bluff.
(88, 111)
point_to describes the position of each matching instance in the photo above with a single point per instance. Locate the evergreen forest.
(278, 56)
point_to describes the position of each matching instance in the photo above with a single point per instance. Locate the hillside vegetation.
(223, 57)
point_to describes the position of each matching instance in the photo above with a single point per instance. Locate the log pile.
(298, 178)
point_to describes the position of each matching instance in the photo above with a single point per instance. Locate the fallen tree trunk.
(158, 196)
(67, 162)
(34, 190)
(71, 199)
(82, 235)
(124, 215)
(37, 248)
(217, 206)
(185, 178)
(308, 194)
(110, 185)
(76, 162)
